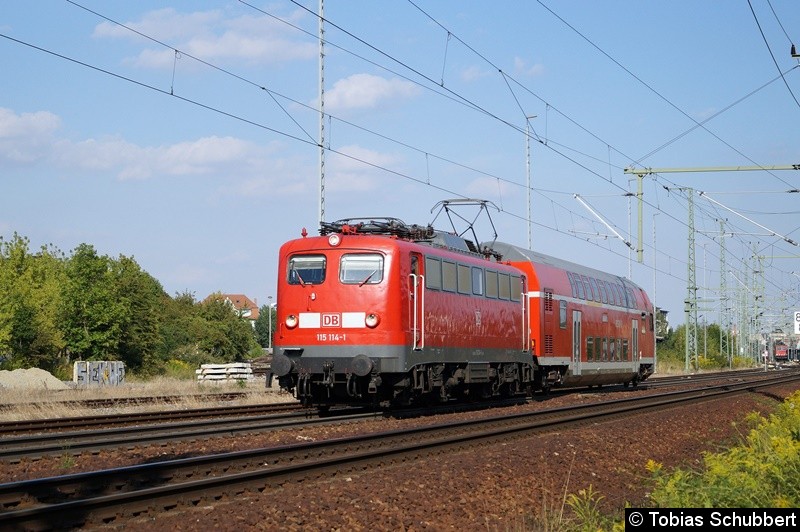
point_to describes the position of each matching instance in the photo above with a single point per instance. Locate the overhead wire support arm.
(771, 232)
(602, 220)
(648, 171)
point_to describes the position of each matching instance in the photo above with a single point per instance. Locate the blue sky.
(185, 134)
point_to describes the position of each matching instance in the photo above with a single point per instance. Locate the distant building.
(244, 306)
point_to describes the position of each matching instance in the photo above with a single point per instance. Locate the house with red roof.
(244, 306)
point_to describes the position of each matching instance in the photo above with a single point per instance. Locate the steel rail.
(112, 495)
(75, 443)
(10, 428)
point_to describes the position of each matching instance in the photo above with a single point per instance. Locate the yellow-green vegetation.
(761, 472)
(585, 506)
(179, 369)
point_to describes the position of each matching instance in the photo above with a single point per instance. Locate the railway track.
(700, 378)
(114, 495)
(118, 402)
(12, 428)
(73, 436)
(72, 443)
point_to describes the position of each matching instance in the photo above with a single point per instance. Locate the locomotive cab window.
(361, 269)
(307, 269)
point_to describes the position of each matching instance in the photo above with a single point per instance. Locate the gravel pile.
(30, 379)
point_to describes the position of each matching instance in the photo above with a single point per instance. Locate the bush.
(762, 472)
(178, 369)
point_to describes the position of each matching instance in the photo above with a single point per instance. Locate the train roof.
(512, 253)
(427, 235)
(419, 234)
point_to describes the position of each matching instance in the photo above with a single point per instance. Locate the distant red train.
(374, 311)
(781, 352)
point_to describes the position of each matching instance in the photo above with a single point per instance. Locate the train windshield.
(307, 269)
(361, 269)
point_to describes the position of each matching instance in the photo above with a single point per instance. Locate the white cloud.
(25, 137)
(347, 172)
(522, 68)
(161, 24)
(488, 188)
(130, 161)
(209, 36)
(473, 73)
(243, 167)
(361, 91)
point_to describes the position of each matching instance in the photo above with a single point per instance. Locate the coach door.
(635, 341)
(416, 281)
(576, 342)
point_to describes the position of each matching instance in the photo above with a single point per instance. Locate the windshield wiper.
(362, 283)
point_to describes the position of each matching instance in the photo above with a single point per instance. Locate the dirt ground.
(499, 487)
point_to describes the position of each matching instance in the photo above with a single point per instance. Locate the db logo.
(331, 320)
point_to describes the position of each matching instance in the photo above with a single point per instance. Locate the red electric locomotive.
(376, 311)
(781, 352)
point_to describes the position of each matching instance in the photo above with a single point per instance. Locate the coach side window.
(307, 269)
(603, 294)
(572, 284)
(613, 298)
(449, 276)
(587, 287)
(491, 284)
(504, 288)
(464, 280)
(562, 314)
(477, 281)
(595, 290)
(516, 288)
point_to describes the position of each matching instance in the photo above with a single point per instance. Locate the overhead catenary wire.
(427, 180)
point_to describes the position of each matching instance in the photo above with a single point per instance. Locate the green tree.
(263, 327)
(176, 340)
(29, 297)
(226, 336)
(142, 300)
(92, 314)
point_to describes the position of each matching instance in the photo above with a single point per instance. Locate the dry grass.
(20, 404)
